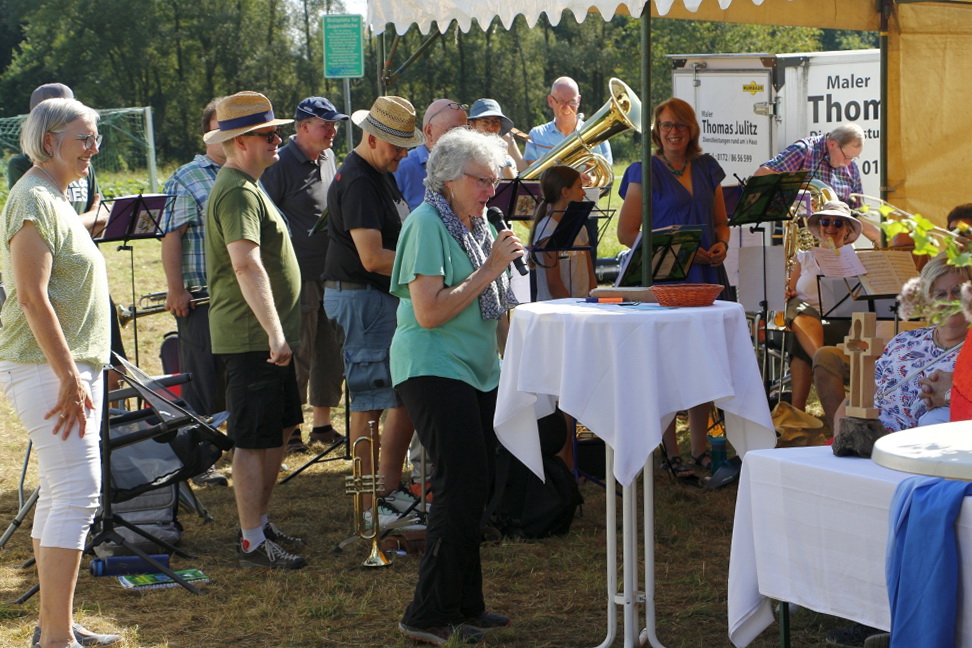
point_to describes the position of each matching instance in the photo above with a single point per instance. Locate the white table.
(624, 372)
(943, 450)
(811, 529)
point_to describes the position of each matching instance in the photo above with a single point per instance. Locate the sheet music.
(886, 271)
(843, 264)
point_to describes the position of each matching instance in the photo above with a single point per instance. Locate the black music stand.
(132, 217)
(572, 221)
(672, 252)
(517, 198)
(766, 199)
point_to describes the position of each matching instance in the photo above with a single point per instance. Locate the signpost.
(344, 54)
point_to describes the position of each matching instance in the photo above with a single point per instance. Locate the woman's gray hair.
(50, 116)
(457, 148)
(938, 268)
(847, 133)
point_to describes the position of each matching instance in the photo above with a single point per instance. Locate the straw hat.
(241, 113)
(491, 108)
(835, 208)
(391, 119)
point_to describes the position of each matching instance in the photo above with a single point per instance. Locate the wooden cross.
(863, 347)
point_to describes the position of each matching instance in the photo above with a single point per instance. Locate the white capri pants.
(70, 470)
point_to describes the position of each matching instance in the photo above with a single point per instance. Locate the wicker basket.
(686, 294)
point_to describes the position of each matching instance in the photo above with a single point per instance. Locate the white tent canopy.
(403, 13)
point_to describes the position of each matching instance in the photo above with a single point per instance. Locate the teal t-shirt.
(464, 348)
(239, 210)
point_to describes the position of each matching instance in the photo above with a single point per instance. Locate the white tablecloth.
(624, 373)
(811, 529)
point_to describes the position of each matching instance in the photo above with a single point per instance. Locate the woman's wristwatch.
(948, 396)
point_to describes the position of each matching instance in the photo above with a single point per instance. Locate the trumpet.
(154, 303)
(359, 485)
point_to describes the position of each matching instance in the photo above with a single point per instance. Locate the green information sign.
(343, 47)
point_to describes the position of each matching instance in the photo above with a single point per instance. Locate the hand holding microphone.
(495, 216)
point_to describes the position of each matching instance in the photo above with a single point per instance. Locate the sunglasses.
(836, 223)
(269, 135)
(452, 105)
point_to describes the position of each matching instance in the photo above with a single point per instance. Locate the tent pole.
(884, 6)
(646, 116)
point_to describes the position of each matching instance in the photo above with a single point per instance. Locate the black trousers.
(454, 421)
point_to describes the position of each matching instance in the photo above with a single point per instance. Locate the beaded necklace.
(676, 172)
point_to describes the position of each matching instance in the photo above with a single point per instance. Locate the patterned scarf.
(498, 297)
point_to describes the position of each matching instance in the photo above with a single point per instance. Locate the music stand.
(517, 198)
(672, 252)
(132, 217)
(322, 456)
(766, 199)
(572, 220)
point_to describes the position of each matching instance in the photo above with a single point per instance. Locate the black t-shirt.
(360, 197)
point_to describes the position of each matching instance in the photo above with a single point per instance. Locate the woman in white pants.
(53, 344)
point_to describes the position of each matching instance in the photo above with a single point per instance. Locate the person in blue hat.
(298, 184)
(486, 116)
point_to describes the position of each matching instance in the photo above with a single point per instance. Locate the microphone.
(495, 217)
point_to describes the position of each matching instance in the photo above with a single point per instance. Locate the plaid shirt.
(191, 184)
(810, 154)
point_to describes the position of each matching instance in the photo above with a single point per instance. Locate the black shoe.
(325, 434)
(295, 445)
(852, 636)
(269, 554)
(487, 621)
(210, 477)
(273, 533)
(439, 635)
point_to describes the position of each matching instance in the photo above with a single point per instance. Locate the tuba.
(796, 237)
(622, 112)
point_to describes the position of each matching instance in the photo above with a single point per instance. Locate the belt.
(345, 285)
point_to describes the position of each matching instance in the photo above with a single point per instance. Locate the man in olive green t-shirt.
(254, 319)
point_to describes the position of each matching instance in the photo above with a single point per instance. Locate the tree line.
(175, 55)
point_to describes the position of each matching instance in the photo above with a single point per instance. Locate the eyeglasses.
(489, 121)
(90, 141)
(573, 103)
(667, 126)
(269, 135)
(849, 158)
(836, 223)
(484, 183)
(953, 293)
(452, 105)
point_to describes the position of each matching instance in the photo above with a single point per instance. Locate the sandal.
(703, 461)
(678, 468)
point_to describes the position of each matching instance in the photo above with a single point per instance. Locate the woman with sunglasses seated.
(686, 190)
(833, 226)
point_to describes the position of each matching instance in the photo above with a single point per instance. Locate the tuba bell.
(622, 112)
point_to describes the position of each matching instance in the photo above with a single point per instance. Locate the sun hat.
(835, 208)
(318, 107)
(241, 113)
(50, 91)
(391, 119)
(490, 108)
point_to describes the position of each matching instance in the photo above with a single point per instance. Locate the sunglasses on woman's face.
(836, 223)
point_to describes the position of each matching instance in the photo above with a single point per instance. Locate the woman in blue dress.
(686, 190)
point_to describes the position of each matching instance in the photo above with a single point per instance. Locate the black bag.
(522, 506)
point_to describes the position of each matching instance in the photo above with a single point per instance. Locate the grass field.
(553, 589)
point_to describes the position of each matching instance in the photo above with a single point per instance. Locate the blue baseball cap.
(318, 107)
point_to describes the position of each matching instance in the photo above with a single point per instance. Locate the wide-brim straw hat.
(835, 208)
(391, 119)
(241, 113)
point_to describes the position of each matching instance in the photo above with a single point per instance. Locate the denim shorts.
(367, 321)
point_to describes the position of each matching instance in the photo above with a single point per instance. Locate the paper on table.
(843, 264)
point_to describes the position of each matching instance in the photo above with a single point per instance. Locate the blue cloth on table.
(922, 561)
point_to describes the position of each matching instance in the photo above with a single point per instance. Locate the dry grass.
(553, 589)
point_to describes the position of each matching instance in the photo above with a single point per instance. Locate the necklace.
(937, 339)
(49, 177)
(676, 172)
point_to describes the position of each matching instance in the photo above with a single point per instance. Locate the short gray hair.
(847, 133)
(938, 268)
(50, 116)
(457, 148)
